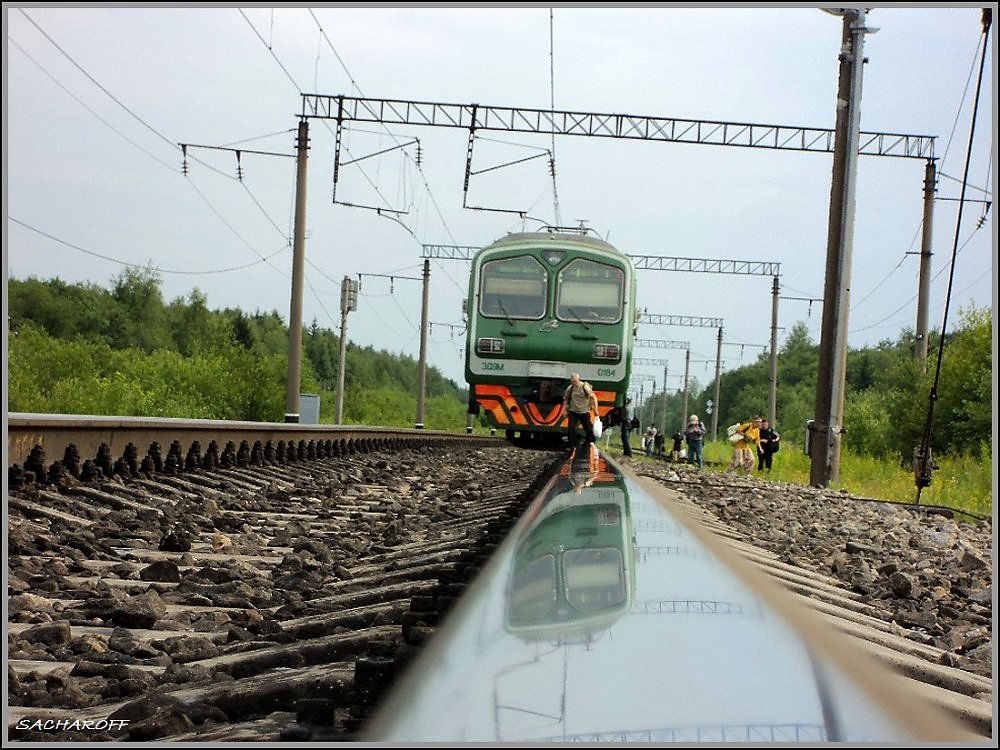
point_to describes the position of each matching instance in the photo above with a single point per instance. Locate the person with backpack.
(579, 400)
(745, 435)
(767, 446)
(694, 434)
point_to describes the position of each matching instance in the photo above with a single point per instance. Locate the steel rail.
(667, 634)
(54, 433)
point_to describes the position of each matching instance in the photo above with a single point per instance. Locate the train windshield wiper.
(579, 318)
(504, 311)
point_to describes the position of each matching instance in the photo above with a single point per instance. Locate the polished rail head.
(610, 617)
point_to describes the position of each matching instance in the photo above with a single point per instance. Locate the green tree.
(140, 319)
(963, 414)
(63, 310)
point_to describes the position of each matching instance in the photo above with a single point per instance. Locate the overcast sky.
(99, 99)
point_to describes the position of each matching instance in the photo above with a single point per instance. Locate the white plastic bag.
(598, 427)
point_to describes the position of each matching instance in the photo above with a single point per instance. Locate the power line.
(135, 265)
(94, 80)
(552, 79)
(354, 84)
(911, 299)
(153, 156)
(86, 107)
(266, 44)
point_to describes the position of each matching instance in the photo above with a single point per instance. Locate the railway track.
(243, 601)
(270, 601)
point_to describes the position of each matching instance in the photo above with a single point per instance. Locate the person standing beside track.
(743, 457)
(675, 452)
(627, 413)
(649, 440)
(695, 437)
(767, 446)
(579, 400)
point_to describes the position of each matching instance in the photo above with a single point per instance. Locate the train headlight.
(490, 346)
(607, 351)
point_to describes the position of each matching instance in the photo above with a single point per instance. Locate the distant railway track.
(227, 599)
(127, 446)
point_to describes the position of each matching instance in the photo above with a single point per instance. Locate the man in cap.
(694, 435)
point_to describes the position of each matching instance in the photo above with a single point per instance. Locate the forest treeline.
(887, 393)
(83, 349)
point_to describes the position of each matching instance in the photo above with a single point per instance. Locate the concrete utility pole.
(827, 427)
(923, 297)
(718, 381)
(422, 374)
(772, 394)
(687, 368)
(293, 381)
(664, 397)
(348, 303)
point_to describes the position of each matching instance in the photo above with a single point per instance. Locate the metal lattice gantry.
(662, 344)
(641, 262)
(594, 124)
(449, 252)
(694, 321)
(705, 265)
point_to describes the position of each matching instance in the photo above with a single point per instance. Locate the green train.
(541, 306)
(573, 571)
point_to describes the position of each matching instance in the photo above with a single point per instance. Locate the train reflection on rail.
(607, 617)
(573, 563)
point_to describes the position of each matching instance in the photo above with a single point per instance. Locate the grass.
(962, 483)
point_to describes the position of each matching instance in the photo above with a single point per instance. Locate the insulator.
(923, 465)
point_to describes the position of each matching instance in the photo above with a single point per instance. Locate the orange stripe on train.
(508, 409)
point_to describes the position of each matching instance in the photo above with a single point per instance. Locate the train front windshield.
(514, 288)
(586, 580)
(590, 292)
(594, 578)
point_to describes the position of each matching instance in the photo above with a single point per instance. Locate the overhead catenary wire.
(909, 301)
(331, 258)
(958, 112)
(158, 269)
(141, 148)
(173, 145)
(923, 461)
(357, 87)
(79, 101)
(423, 177)
(99, 85)
(552, 102)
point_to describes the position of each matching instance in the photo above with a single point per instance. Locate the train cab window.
(533, 591)
(595, 578)
(590, 292)
(513, 288)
